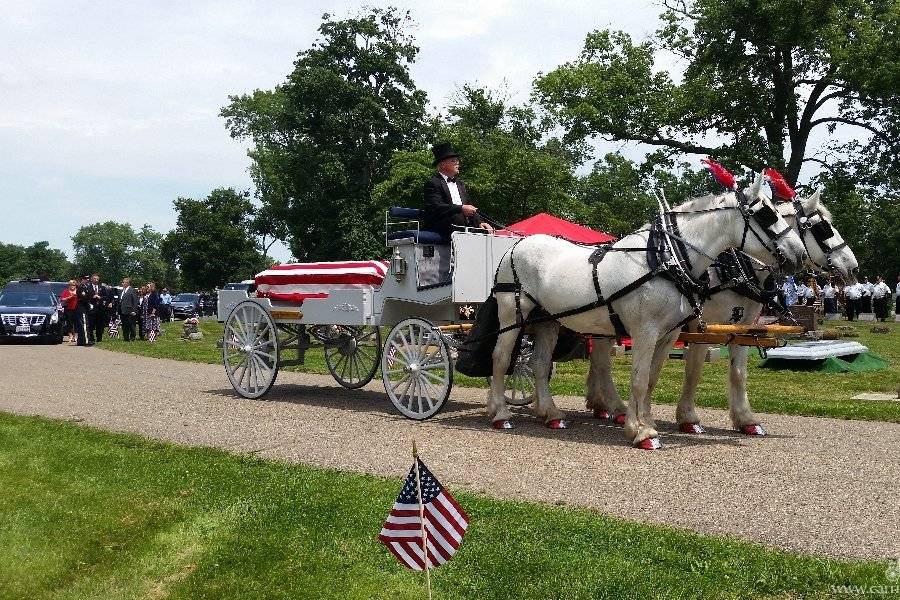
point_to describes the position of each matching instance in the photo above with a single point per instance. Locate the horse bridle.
(821, 231)
(765, 217)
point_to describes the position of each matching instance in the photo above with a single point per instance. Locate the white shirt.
(881, 290)
(454, 190)
(854, 291)
(898, 288)
(828, 290)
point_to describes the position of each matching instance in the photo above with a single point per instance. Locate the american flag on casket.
(445, 522)
(301, 281)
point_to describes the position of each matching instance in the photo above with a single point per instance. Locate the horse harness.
(667, 256)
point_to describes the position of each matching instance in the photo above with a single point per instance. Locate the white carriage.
(426, 294)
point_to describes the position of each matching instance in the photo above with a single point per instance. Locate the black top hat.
(442, 151)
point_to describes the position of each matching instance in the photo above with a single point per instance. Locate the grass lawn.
(797, 393)
(89, 514)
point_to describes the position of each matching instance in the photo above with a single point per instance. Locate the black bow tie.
(451, 180)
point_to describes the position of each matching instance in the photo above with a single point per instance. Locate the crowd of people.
(864, 296)
(91, 308)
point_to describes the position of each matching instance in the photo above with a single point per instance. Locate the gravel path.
(814, 485)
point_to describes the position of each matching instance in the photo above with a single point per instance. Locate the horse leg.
(636, 431)
(742, 416)
(660, 354)
(497, 409)
(685, 413)
(545, 336)
(602, 395)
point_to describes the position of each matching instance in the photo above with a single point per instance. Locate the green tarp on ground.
(853, 363)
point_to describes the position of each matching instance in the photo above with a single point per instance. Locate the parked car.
(30, 310)
(186, 305)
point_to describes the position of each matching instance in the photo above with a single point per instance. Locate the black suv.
(30, 310)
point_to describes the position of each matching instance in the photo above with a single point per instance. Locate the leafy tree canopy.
(324, 138)
(211, 242)
(115, 250)
(38, 260)
(762, 76)
(511, 168)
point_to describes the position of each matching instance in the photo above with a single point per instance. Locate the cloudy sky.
(110, 111)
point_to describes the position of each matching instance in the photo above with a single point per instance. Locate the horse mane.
(700, 203)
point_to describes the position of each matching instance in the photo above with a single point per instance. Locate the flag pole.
(422, 520)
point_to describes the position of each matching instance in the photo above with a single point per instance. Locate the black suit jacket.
(440, 212)
(128, 302)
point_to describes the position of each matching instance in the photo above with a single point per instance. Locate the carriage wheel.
(416, 369)
(520, 384)
(250, 349)
(353, 355)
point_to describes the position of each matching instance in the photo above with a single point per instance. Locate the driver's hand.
(487, 227)
(468, 210)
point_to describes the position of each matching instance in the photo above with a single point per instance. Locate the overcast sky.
(109, 111)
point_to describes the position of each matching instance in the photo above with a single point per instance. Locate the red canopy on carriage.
(550, 225)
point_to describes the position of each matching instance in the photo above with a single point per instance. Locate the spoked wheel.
(353, 354)
(416, 369)
(520, 383)
(250, 349)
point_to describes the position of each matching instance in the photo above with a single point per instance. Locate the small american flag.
(445, 522)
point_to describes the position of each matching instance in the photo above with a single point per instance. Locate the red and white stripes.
(298, 282)
(445, 525)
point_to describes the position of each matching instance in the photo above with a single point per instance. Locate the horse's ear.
(756, 187)
(813, 201)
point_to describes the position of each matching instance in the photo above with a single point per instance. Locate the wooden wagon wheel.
(353, 354)
(416, 369)
(250, 349)
(519, 385)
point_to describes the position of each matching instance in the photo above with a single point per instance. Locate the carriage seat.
(419, 236)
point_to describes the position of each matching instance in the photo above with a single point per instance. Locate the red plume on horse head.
(780, 187)
(720, 173)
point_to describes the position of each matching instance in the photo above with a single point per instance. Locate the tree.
(38, 260)
(760, 76)
(105, 248)
(116, 250)
(324, 138)
(511, 167)
(211, 242)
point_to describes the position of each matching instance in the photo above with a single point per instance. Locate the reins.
(673, 270)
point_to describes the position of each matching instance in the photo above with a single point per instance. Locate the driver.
(446, 198)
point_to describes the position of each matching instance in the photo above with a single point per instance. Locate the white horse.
(558, 276)
(827, 251)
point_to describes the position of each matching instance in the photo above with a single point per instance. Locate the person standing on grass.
(854, 293)
(151, 320)
(829, 298)
(69, 300)
(865, 298)
(165, 304)
(881, 293)
(129, 304)
(897, 291)
(84, 314)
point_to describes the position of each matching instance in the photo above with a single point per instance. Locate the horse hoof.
(651, 443)
(619, 419)
(558, 424)
(753, 429)
(691, 428)
(601, 413)
(502, 424)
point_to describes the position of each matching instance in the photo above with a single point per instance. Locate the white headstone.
(866, 316)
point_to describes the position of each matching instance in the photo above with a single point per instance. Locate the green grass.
(89, 514)
(796, 393)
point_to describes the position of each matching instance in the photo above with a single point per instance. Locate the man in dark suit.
(83, 315)
(128, 308)
(446, 198)
(99, 317)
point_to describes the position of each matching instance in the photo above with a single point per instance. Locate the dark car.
(185, 305)
(30, 310)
